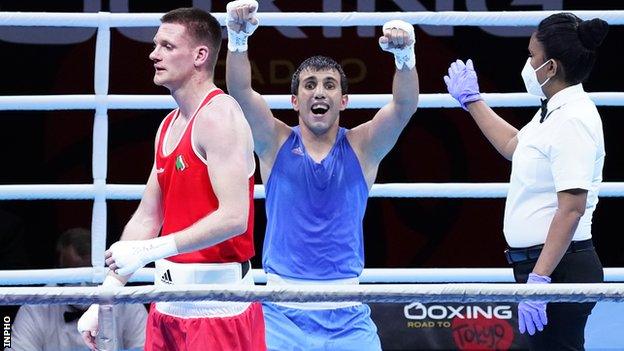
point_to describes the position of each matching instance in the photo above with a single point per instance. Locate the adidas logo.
(166, 277)
(297, 151)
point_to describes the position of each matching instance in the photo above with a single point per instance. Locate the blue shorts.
(348, 328)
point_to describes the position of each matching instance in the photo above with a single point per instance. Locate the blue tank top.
(315, 212)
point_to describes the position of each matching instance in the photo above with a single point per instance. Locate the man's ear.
(295, 102)
(202, 54)
(344, 101)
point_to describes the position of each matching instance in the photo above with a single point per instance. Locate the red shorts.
(244, 332)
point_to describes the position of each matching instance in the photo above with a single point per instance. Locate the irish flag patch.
(180, 164)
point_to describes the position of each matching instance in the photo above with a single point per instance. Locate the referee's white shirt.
(564, 152)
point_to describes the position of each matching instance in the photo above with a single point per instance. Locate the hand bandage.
(403, 56)
(237, 41)
(89, 320)
(131, 255)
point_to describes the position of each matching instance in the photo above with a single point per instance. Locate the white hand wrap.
(402, 56)
(89, 320)
(237, 41)
(131, 255)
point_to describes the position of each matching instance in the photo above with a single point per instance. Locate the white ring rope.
(368, 276)
(309, 19)
(101, 102)
(386, 190)
(278, 102)
(315, 293)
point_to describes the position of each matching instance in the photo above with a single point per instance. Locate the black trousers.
(566, 321)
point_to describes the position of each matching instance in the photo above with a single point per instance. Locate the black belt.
(516, 255)
(245, 268)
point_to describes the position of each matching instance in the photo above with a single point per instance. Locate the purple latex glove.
(462, 83)
(532, 314)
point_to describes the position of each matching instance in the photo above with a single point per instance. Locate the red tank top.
(187, 195)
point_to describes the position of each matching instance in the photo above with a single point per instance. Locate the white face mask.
(529, 76)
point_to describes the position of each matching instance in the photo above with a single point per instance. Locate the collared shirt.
(43, 328)
(564, 152)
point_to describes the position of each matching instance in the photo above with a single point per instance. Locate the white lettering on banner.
(506, 31)
(288, 32)
(146, 34)
(140, 34)
(418, 311)
(280, 71)
(336, 6)
(68, 35)
(440, 5)
(364, 6)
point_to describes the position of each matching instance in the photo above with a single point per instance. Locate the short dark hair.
(319, 63)
(78, 238)
(201, 25)
(573, 42)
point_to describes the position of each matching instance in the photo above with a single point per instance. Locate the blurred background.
(438, 145)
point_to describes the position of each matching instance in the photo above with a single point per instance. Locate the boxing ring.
(399, 285)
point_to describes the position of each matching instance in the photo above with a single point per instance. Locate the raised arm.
(268, 132)
(462, 84)
(374, 139)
